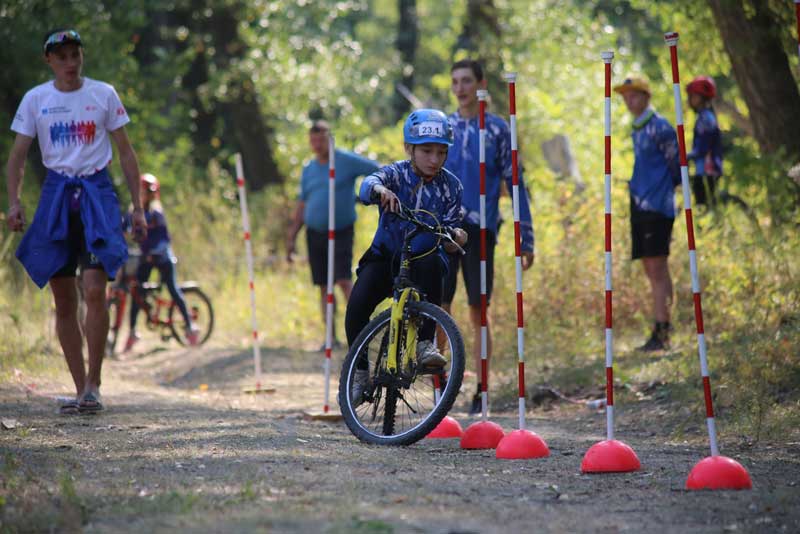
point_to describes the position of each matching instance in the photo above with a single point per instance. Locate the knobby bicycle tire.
(195, 298)
(355, 415)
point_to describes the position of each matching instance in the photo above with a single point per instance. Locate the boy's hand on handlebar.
(459, 237)
(388, 199)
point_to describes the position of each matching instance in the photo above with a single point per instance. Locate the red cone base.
(447, 428)
(482, 435)
(521, 445)
(610, 456)
(718, 472)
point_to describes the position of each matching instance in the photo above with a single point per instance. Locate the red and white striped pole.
(331, 247)
(609, 456)
(607, 58)
(521, 443)
(483, 435)
(482, 96)
(719, 472)
(512, 110)
(249, 254)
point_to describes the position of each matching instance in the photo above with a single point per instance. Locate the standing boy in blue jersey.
(312, 210)
(656, 173)
(77, 224)
(707, 142)
(462, 160)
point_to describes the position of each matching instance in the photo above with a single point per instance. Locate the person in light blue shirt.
(656, 173)
(467, 77)
(312, 211)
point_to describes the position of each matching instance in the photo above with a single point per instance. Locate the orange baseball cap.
(633, 84)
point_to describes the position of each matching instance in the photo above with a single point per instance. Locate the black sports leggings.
(374, 284)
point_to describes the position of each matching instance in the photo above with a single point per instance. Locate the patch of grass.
(357, 525)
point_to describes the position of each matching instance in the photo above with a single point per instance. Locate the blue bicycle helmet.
(427, 126)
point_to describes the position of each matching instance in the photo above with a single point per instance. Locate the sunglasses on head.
(61, 37)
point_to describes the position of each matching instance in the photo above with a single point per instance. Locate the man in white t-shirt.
(77, 223)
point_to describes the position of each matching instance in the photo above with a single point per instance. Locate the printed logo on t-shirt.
(56, 109)
(120, 111)
(80, 133)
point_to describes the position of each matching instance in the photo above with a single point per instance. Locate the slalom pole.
(249, 255)
(484, 434)
(609, 456)
(447, 427)
(326, 414)
(521, 443)
(714, 472)
(482, 95)
(331, 248)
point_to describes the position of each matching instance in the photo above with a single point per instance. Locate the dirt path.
(180, 447)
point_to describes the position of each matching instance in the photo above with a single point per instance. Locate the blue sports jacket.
(707, 139)
(656, 169)
(463, 159)
(441, 197)
(44, 248)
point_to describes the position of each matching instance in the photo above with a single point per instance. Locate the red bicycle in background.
(161, 313)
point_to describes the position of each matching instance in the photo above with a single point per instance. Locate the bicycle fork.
(398, 308)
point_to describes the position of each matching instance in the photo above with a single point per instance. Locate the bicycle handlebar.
(407, 214)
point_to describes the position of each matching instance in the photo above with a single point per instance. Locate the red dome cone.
(482, 435)
(718, 472)
(610, 456)
(447, 428)
(521, 445)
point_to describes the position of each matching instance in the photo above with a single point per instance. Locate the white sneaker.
(428, 355)
(360, 385)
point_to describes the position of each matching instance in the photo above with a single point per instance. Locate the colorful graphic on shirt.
(80, 133)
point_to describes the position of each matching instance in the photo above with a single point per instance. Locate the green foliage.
(337, 60)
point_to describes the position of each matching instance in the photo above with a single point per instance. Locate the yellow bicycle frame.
(394, 331)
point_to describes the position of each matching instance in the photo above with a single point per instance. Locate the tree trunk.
(761, 68)
(407, 43)
(481, 37)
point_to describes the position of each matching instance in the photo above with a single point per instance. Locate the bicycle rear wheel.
(201, 312)
(401, 408)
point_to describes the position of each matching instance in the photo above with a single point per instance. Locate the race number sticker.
(431, 128)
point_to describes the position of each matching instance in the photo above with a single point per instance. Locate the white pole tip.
(483, 94)
(607, 56)
(512, 76)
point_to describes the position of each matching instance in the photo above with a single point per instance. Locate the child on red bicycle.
(157, 253)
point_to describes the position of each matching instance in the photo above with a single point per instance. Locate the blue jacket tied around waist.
(44, 248)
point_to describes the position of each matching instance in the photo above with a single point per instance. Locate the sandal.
(90, 403)
(69, 407)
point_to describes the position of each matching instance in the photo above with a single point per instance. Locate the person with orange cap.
(707, 141)
(656, 173)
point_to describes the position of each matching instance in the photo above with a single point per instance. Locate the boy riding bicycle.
(420, 183)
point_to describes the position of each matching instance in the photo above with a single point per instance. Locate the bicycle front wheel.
(202, 314)
(403, 407)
